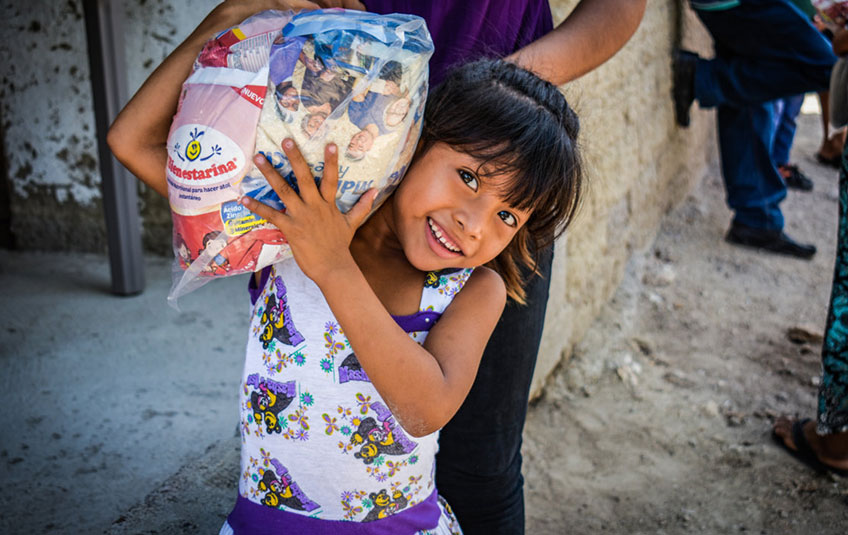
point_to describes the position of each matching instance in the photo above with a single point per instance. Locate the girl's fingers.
(275, 217)
(284, 191)
(302, 171)
(330, 178)
(356, 215)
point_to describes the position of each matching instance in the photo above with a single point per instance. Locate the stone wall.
(638, 163)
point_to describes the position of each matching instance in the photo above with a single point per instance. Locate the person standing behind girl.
(479, 460)
(366, 343)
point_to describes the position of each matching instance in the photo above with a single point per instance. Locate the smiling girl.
(366, 343)
(394, 313)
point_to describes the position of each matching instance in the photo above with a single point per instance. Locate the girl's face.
(446, 216)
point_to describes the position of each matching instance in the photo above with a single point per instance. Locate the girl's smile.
(445, 215)
(442, 244)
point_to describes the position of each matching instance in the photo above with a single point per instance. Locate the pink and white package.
(353, 78)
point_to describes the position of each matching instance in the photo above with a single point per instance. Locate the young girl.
(366, 343)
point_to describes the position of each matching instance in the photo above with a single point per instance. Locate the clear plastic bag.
(353, 78)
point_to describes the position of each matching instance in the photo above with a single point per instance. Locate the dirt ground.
(661, 421)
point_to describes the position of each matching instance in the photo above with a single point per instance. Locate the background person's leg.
(765, 50)
(478, 468)
(786, 110)
(784, 127)
(753, 185)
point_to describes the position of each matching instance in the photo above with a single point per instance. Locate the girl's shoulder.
(443, 287)
(485, 279)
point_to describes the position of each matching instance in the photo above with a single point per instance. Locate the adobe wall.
(639, 165)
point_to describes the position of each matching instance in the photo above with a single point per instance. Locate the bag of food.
(356, 79)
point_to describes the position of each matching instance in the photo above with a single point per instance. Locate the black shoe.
(683, 65)
(794, 178)
(771, 240)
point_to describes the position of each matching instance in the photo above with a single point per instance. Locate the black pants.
(478, 468)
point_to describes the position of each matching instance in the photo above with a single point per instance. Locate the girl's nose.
(471, 223)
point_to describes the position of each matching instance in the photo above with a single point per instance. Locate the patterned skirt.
(833, 392)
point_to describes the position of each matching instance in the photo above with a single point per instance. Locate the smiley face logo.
(193, 145)
(193, 150)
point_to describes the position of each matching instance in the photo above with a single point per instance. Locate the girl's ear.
(419, 148)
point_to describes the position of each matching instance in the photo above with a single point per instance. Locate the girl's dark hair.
(517, 124)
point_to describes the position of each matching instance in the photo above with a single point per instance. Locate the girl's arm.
(423, 386)
(139, 133)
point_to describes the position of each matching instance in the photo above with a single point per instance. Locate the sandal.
(804, 451)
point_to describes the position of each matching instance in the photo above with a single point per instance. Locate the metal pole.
(104, 31)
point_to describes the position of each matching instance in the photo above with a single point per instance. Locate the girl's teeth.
(442, 239)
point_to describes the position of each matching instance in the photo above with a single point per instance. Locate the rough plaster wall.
(638, 165)
(48, 140)
(48, 126)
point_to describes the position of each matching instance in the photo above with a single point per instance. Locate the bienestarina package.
(356, 79)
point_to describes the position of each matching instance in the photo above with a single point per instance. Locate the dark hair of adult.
(517, 124)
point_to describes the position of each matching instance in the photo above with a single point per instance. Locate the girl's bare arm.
(423, 386)
(139, 133)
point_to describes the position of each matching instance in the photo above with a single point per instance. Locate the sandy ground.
(659, 423)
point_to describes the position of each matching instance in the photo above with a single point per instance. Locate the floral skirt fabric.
(833, 392)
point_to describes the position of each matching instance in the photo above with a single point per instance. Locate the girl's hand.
(318, 233)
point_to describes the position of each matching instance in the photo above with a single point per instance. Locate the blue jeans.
(765, 50)
(786, 110)
(478, 467)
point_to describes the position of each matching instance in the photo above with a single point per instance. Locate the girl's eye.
(469, 179)
(508, 218)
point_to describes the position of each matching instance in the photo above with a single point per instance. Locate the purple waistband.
(250, 518)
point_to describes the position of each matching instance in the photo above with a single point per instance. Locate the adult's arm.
(591, 34)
